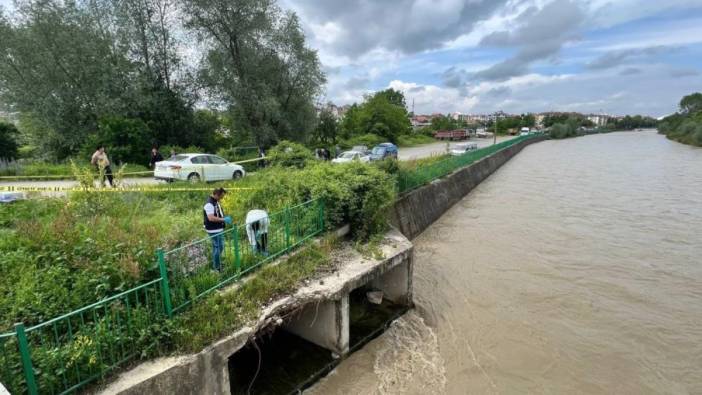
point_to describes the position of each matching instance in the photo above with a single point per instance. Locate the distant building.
(598, 120)
(420, 121)
(337, 111)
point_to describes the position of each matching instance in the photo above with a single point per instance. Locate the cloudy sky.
(474, 56)
(478, 56)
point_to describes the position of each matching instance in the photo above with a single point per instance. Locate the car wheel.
(237, 175)
(194, 177)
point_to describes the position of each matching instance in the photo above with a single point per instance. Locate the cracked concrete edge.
(162, 375)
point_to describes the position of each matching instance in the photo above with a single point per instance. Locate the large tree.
(259, 66)
(70, 65)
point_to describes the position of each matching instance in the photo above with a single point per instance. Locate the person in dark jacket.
(214, 222)
(155, 157)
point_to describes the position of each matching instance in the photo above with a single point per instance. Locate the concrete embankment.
(318, 312)
(416, 210)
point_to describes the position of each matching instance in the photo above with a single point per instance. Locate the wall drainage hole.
(368, 318)
(288, 364)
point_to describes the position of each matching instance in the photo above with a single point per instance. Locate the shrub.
(353, 193)
(369, 140)
(289, 154)
(562, 131)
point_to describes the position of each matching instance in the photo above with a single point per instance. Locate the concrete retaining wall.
(417, 209)
(317, 312)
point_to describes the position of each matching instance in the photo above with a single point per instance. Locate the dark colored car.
(384, 150)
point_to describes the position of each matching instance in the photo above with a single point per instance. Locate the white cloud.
(432, 98)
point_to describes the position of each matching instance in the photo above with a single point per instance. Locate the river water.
(575, 268)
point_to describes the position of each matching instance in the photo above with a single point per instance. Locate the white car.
(482, 134)
(460, 149)
(197, 167)
(350, 156)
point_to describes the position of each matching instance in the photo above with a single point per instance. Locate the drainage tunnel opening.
(288, 364)
(367, 317)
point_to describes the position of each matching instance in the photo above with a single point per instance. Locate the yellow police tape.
(71, 176)
(64, 176)
(117, 189)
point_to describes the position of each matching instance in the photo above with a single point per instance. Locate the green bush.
(353, 193)
(369, 140)
(289, 154)
(562, 131)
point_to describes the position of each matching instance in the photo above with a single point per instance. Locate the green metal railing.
(411, 179)
(189, 267)
(61, 355)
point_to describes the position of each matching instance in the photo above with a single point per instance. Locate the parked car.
(197, 167)
(350, 156)
(384, 150)
(361, 148)
(525, 132)
(460, 149)
(482, 133)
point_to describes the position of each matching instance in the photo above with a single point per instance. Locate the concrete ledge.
(207, 371)
(416, 210)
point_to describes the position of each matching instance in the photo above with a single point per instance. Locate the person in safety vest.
(214, 222)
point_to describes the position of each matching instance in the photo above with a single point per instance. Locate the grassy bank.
(413, 140)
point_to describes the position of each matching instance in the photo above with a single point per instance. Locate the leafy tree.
(377, 115)
(70, 64)
(445, 123)
(352, 123)
(394, 97)
(686, 125)
(327, 128)
(259, 66)
(383, 118)
(691, 103)
(62, 67)
(8, 143)
(127, 140)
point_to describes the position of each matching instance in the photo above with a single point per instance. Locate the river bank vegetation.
(685, 126)
(61, 254)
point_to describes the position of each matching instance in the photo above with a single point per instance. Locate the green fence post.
(26, 359)
(237, 252)
(321, 215)
(286, 220)
(165, 287)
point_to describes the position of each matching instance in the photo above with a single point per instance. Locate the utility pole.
(494, 136)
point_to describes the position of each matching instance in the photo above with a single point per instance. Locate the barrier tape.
(71, 176)
(118, 189)
(66, 176)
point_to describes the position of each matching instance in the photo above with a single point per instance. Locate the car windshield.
(348, 155)
(378, 150)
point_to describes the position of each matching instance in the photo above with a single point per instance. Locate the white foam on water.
(409, 362)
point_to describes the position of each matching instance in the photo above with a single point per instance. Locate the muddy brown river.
(575, 268)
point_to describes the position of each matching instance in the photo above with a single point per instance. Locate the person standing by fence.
(214, 222)
(101, 162)
(257, 230)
